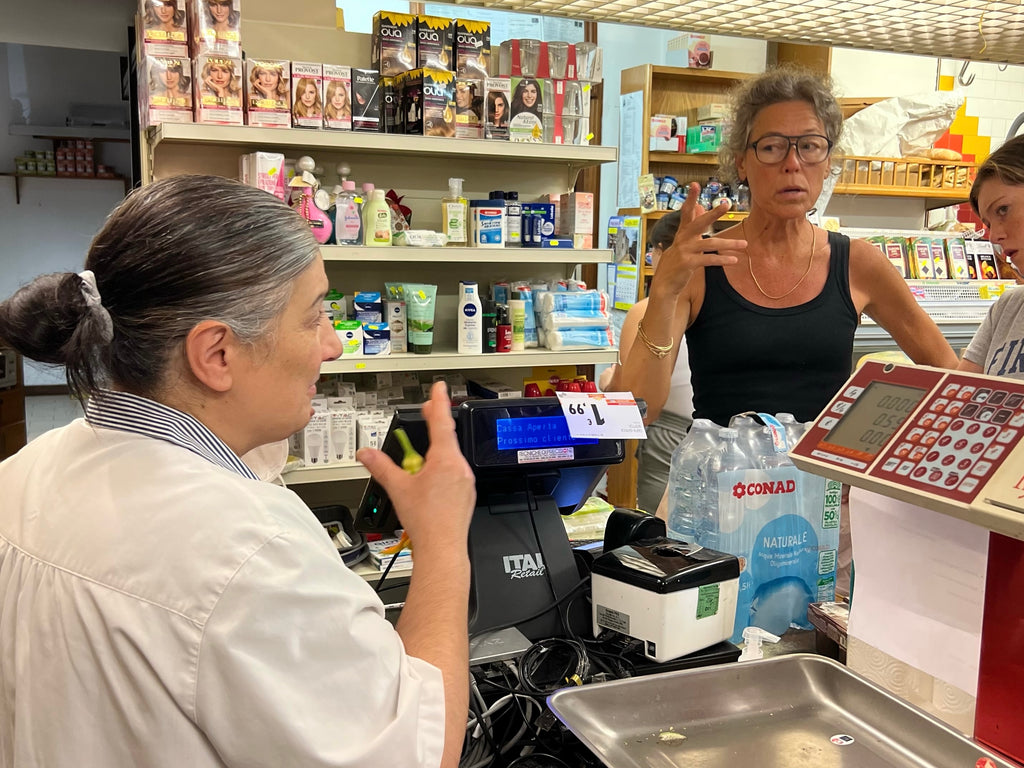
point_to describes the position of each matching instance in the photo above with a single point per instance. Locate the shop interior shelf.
(449, 359)
(327, 474)
(683, 158)
(467, 255)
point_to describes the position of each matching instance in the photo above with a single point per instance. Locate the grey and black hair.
(663, 232)
(1005, 164)
(172, 254)
(783, 83)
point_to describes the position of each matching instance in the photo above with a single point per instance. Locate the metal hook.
(1002, 67)
(963, 71)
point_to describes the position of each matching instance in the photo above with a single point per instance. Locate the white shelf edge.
(69, 132)
(450, 360)
(327, 474)
(341, 253)
(199, 133)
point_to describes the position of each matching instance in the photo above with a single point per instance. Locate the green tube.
(419, 306)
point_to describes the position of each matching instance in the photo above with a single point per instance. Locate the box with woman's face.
(435, 40)
(164, 26)
(337, 97)
(497, 102)
(268, 93)
(215, 27)
(393, 43)
(307, 95)
(217, 81)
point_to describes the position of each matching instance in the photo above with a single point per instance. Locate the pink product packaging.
(164, 27)
(166, 90)
(268, 93)
(338, 97)
(307, 95)
(263, 170)
(215, 27)
(218, 89)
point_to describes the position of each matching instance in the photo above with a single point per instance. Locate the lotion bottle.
(470, 319)
(455, 215)
(377, 220)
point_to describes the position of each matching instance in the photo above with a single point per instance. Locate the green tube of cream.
(419, 306)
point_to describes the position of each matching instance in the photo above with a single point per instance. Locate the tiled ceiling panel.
(955, 29)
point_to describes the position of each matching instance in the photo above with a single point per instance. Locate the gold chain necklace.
(810, 261)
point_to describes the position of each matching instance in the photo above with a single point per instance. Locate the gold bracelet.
(657, 350)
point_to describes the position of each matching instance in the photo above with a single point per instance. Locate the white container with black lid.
(675, 597)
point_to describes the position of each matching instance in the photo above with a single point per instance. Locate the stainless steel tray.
(788, 711)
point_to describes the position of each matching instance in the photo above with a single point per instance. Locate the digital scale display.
(534, 432)
(875, 416)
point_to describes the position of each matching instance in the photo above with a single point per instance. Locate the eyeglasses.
(774, 148)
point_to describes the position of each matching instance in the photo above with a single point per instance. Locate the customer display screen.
(535, 432)
(875, 416)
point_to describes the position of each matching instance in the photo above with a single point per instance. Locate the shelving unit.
(410, 255)
(332, 473)
(448, 359)
(19, 176)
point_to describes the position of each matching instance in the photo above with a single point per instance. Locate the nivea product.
(470, 319)
(376, 339)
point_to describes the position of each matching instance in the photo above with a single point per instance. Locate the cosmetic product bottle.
(470, 320)
(455, 215)
(504, 339)
(490, 326)
(377, 220)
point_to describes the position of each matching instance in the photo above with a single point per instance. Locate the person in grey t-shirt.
(997, 196)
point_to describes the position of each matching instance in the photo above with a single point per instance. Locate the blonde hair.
(281, 91)
(332, 88)
(234, 86)
(301, 110)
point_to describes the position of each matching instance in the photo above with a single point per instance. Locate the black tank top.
(744, 357)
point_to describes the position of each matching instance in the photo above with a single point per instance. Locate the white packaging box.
(395, 317)
(263, 170)
(307, 95)
(576, 213)
(337, 97)
(217, 81)
(346, 388)
(267, 93)
(395, 394)
(370, 430)
(342, 432)
(165, 90)
(405, 378)
(314, 441)
(381, 380)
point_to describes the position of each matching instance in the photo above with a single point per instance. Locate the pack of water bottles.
(734, 489)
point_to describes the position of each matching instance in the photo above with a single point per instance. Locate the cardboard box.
(469, 108)
(713, 112)
(342, 434)
(267, 93)
(527, 105)
(164, 28)
(307, 95)
(393, 43)
(337, 97)
(703, 138)
(365, 100)
(389, 112)
(498, 102)
(428, 102)
(218, 89)
(576, 214)
(166, 94)
(472, 48)
(487, 389)
(395, 316)
(214, 28)
(263, 170)
(700, 55)
(435, 42)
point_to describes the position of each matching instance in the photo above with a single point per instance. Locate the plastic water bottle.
(686, 481)
(794, 429)
(753, 438)
(728, 457)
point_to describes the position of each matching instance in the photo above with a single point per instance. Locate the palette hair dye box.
(337, 97)
(365, 100)
(307, 94)
(472, 48)
(393, 43)
(435, 42)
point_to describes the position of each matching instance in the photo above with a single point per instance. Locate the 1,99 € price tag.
(609, 415)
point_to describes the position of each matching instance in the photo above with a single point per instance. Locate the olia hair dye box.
(428, 102)
(307, 95)
(337, 97)
(389, 105)
(393, 43)
(472, 51)
(267, 93)
(435, 42)
(165, 91)
(365, 100)
(215, 27)
(163, 30)
(218, 89)
(497, 102)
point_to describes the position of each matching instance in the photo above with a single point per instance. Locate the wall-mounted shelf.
(330, 473)
(683, 158)
(19, 176)
(95, 133)
(449, 359)
(406, 254)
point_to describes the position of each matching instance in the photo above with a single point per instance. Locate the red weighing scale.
(951, 442)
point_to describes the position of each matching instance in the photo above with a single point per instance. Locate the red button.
(989, 431)
(935, 475)
(964, 464)
(960, 444)
(932, 456)
(977, 448)
(953, 409)
(917, 455)
(957, 425)
(945, 440)
(927, 420)
(920, 471)
(973, 428)
(948, 459)
(952, 479)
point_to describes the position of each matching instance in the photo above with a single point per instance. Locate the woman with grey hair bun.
(153, 587)
(770, 307)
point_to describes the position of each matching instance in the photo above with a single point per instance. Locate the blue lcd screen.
(536, 432)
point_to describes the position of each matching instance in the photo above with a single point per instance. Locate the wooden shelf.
(704, 76)
(407, 254)
(449, 359)
(683, 158)
(329, 473)
(921, 193)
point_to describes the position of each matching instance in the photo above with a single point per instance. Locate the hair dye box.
(469, 108)
(337, 97)
(166, 91)
(267, 84)
(498, 103)
(389, 105)
(164, 28)
(307, 95)
(218, 86)
(428, 102)
(472, 48)
(435, 42)
(365, 100)
(393, 43)
(215, 27)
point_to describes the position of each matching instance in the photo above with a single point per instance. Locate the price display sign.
(608, 415)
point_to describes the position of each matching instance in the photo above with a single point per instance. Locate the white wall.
(995, 97)
(98, 25)
(864, 74)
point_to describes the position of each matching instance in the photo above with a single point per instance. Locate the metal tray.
(789, 711)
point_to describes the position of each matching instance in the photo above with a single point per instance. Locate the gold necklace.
(810, 261)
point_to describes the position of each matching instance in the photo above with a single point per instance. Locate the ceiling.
(954, 29)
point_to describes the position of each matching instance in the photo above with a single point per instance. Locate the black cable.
(553, 762)
(574, 672)
(579, 585)
(387, 570)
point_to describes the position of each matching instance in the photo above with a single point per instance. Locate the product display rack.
(413, 255)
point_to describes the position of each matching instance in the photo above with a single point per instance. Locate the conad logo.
(763, 489)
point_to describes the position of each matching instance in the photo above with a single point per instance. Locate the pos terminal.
(529, 472)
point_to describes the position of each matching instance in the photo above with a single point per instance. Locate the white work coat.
(159, 606)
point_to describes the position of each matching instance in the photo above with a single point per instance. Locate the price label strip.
(608, 415)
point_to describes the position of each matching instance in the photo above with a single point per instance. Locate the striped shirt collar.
(141, 416)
